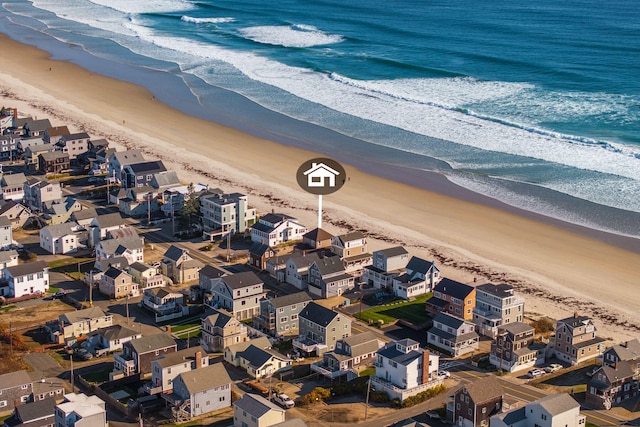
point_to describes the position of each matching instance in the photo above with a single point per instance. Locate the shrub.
(419, 398)
(379, 397)
(318, 394)
(543, 325)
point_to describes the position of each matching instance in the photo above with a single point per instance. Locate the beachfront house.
(386, 265)
(73, 144)
(403, 369)
(475, 403)
(352, 250)
(238, 293)
(496, 305)
(320, 329)
(514, 349)
(280, 316)
(576, 340)
(53, 134)
(23, 280)
(455, 298)
(34, 127)
(419, 278)
(316, 240)
(140, 174)
(328, 277)
(53, 162)
(275, 228)
(117, 160)
(221, 330)
(452, 334)
(225, 213)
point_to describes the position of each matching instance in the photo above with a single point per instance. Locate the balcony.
(309, 346)
(327, 371)
(124, 363)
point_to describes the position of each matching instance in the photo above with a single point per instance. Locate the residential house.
(454, 298)
(612, 385)
(84, 216)
(576, 340)
(101, 225)
(54, 133)
(164, 303)
(514, 349)
(59, 238)
(15, 388)
(25, 279)
(17, 213)
(74, 324)
(453, 335)
(141, 201)
(12, 186)
(60, 211)
(475, 403)
(350, 354)
(555, 410)
(117, 160)
(53, 162)
(32, 155)
(116, 283)
(130, 247)
(238, 293)
(277, 266)
(386, 265)
(40, 192)
(231, 351)
(206, 279)
(46, 388)
(9, 144)
(403, 369)
(136, 355)
(259, 254)
(279, 316)
(328, 278)
(628, 351)
(179, 265)
(419, 278)
(111, 338)
(316, 240)
(80, 410)
(253, 410)
(352, 249)
(101, 266)
(35, 127)
(6, 233)
(165, 180)
(145, 275)
(261, 362)
(320, 329)
(225, 213)
(24, 142)
(8, 258)
(73, 145)
(297, 269)
(496, 305)
(221, 330)
(140, 174)
(273, 229)
(199, 392)
(166, 368)
(33, 414)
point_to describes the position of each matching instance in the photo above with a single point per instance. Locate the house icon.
(321, 175)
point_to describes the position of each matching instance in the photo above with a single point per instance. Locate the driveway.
(44, 364)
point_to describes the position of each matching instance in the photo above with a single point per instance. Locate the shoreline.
(544, 261)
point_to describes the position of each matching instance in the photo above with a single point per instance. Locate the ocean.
(535, 105)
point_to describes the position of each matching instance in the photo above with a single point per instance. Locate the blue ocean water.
(534, 104)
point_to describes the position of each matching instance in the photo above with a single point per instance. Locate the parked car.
(553, 367)
(535, 373)
(59, 295)
(445, 374)
(283, 400)
(83, 353)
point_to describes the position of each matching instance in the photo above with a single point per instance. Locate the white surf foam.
(193, 20)
(289, 36)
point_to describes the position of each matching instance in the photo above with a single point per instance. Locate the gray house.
(297, 270)
(279, 316)
(15, 389)
(238, 293)
(320, 329)
(328, 278)
(387, 264)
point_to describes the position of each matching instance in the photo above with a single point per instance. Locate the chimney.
(169, 329)
(198, 359)
(575, 314)
(615, 365)
(425, 367)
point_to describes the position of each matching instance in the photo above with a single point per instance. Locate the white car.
(445, 374)
(535, 373)
(283, 400)
(553, 367)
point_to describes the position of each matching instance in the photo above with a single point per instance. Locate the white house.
(252, 410)
(40, 192)
(419, 278)
(403, 369)
(297, 271)
(238, 293)
(25, 279)
(59, 238)
(130, 247)
(555, 410)
(111, 338)
(8, 259)
(80, 410)
(273, 229)
(6, 233)
(166, 368)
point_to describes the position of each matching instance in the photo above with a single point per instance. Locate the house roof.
(28, 268)
(629, 350)
(484, 389)
(119, 233)
(5, 221)
(620, 371)
(152, 343)
(79, 135)
(60, 230)
(501, 290)
(115, 332)
(187, 354)
(276, 218)
(166, 179)
(38, 125)
(219, 319)
(516, 328)
(14, 379)
(556, 404)
(242, 280)
(363, 343)
(304, 261)
(111, 246)
(391, 352)
(50, 156)
(348, 237)
(82, 315)
(318, 314)
(575, 321)
(330, 265)
(85, 213)
(58, 131)
(453, 288)
(110, 220)
(448, 320)
(174, 253)
(256, 405)
(32, 412)
(206, 378)
(513, 417)
(265, 228)
(317, 234)
(419, 265)
(256, 356)
(128, 157)
(287, 300)
(162, 292)
(118, 262)
(259, 249)
(150, 167)
(14, 179)
(114, 273)
(140, 267)
(393, 251)
(260, 342)
(6, 256)
(212, 272)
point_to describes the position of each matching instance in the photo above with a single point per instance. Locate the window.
(3, 403)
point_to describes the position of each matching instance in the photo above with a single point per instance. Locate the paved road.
(44, 364)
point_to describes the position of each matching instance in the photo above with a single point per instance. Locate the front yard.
(411, 311)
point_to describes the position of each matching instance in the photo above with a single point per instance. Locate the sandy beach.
(556, 269)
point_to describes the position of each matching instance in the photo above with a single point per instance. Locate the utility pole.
(10, 340)
(127, 309)
(149, 196)
(173, 221)
(366, 403)
(91, 288)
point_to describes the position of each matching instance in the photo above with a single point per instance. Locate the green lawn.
(178, 328)
(412, 311)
